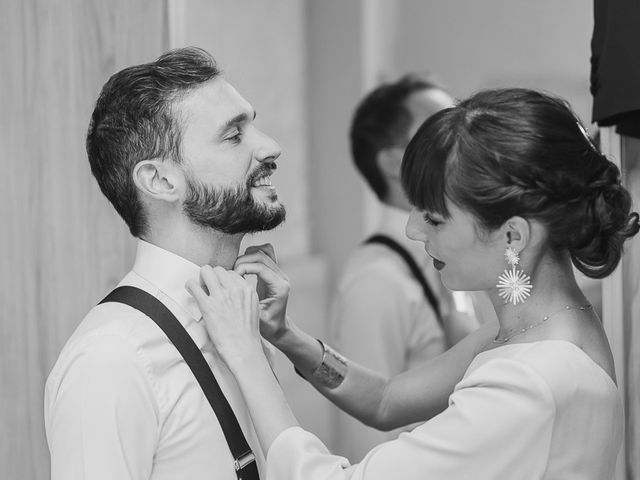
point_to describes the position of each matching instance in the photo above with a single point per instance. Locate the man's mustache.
(264, 169)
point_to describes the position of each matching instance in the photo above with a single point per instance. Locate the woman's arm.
(387, 403)
(487, 415)
(413, 396)
(499, 425)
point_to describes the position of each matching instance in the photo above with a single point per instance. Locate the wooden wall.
(621, 306)
(631, 313)
(61, 244)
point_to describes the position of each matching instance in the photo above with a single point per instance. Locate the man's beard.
(232, 210)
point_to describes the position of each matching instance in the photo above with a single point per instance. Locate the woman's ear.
(517, 233)
(158, 179)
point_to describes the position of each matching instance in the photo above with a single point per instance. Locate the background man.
(382, 317)
(175, 149)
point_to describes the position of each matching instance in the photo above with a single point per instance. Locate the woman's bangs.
(424, 167)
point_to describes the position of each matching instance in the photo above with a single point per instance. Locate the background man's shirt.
(382, 320)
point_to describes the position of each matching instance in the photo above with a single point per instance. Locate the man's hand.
(273, 288)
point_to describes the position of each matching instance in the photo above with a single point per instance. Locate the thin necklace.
(520, 331)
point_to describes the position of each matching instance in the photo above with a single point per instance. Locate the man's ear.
(517, 233)
(389, 161)
(158, 179)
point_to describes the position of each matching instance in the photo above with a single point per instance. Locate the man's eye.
(236, 137)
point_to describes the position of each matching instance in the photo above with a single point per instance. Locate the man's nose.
(268, 150)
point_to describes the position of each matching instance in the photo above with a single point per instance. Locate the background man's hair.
(134, 120)
(382, 120)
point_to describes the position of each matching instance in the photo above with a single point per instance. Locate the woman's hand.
(230, 312)
(273, 288)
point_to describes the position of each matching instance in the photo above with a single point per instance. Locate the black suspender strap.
(413, 266)
(244, 459)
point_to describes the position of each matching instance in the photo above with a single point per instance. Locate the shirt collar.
(169, 273)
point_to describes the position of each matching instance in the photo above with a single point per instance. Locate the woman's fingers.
(266, 248)
(210, 278)
(264, 272)
(197, 292)
(230, 312)
(258, 263)
(258, 255)
(217, 279)
(271, 283)
(220, 285)
(229, 294)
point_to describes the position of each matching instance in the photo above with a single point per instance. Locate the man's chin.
(277, 215)
(271, 215)
(255, 210)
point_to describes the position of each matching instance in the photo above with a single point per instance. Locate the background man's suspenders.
(415, 270)
(244, 460)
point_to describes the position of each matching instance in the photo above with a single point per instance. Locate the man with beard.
(175, 149)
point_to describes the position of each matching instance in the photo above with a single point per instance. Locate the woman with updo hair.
(509, 194)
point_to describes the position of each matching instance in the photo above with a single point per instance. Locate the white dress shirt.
(531, 411)
(382, 320)
(120, 402)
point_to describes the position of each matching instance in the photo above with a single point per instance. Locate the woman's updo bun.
(508, 152)
(596, 246)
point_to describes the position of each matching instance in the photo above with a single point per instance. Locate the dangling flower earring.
(513, 285)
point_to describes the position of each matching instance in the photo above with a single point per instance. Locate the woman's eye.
(429, 219)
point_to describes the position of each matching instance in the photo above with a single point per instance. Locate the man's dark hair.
(382, 120)
(134, 120)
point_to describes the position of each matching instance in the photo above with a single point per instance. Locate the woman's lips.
(437, 264)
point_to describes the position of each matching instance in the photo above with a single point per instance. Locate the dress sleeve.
(102, 416)
(498, 425)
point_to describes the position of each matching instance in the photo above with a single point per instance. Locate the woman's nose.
(414, 229)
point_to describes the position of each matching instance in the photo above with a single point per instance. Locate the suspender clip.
(244, 460)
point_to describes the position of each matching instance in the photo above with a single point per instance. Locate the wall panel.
(61, 244)
(261, 48)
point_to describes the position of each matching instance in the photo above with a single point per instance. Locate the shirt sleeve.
(498, 425)
(102, 416)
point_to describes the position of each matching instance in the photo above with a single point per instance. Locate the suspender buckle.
(243, 460)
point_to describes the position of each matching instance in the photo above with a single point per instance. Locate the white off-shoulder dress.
(542, 410)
